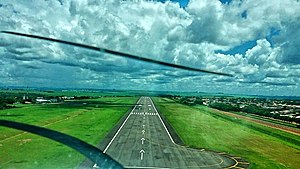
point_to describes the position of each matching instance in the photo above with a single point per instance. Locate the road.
(143, 141)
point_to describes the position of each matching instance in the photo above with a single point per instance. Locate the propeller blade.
(94, 154)
(126, 55)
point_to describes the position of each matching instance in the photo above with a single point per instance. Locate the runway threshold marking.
(162, 121)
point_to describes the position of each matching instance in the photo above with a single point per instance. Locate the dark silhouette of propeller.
(126, 55)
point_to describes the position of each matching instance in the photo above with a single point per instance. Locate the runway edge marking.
(106, 148)
(162, 121)
(120, 128)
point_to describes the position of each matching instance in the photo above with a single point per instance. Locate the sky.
(255, 41)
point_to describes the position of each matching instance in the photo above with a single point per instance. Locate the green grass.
(202, 127)
(88, 120)
(267, 119)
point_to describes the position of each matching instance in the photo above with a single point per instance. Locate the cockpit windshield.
(149, 84)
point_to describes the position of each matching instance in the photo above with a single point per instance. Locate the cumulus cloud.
(162, 31)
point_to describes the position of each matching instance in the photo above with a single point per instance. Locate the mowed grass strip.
(89, 120)
(201, 127)
(267, 119)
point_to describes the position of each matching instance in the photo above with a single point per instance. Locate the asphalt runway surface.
(143, 141)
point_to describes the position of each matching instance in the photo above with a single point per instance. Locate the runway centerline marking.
(143, 139)
(162, 121)
(142, 153)
(120, 128)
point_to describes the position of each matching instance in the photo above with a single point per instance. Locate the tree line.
(253, 109)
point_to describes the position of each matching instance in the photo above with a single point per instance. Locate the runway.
(143, 141)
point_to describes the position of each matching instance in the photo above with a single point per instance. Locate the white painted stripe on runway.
(95, 165)
(120, 129)
(146, 167)
(162, 122)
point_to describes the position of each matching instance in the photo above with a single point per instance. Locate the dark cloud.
(20, 58)
(271, 83)
(280, 84)
(277, 73)
(31, 67)
(224, 80)
(291, 46)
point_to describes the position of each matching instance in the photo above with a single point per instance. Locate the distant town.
(287, 110)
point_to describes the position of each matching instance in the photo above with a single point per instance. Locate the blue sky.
(225, 1)
(183, 3)
(243, 47)
(258, 47)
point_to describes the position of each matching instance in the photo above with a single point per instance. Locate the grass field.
(202, 127)
(88, 120)
(275, 121)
